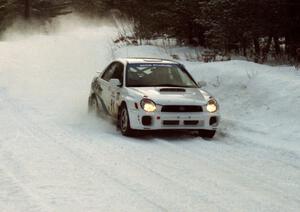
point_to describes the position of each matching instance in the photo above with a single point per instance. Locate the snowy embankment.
(56, 157)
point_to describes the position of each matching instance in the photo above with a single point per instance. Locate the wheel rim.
(124, 120)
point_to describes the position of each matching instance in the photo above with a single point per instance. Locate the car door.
(108, 92)
(114, 98)
(103, 85)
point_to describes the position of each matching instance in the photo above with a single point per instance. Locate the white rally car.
(153, 94)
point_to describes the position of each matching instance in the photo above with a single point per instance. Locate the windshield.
(158, 75)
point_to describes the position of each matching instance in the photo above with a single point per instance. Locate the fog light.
(147, 120)
(213, 120)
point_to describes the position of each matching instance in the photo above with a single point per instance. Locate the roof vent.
(153, 60)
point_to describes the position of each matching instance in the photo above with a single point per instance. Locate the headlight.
(148, 105)
(212, 106)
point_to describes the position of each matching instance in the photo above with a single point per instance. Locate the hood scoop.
(172, 90)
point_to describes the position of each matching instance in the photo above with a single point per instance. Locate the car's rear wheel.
(207, 133)
(93, 105)
(124, 122)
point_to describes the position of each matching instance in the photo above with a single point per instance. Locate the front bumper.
(171, 121)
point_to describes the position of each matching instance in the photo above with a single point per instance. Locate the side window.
(108, 72)
(118, 72)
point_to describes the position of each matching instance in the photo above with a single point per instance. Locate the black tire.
(93, 105)
(207, 133)
(124, 122)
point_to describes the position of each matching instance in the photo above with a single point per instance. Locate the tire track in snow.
(38, 133)
(187, 155)
(253, 184)
(247, 177)
(12, 187)
(212, 161)
(13, 191)
(90, 159)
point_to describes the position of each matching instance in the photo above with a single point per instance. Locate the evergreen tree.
(2, 13)
(227, 25)
(92, 7)
(41, 10)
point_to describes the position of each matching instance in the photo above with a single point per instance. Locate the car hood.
(171, 95)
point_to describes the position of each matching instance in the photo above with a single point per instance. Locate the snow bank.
(260, 98)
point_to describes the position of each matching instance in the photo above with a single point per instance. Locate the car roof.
(135, 60)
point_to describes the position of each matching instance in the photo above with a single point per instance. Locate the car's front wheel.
(207, 133)
(124, 122)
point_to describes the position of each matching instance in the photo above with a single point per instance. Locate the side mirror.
(99, 73)
(115, 82)
(202, 84)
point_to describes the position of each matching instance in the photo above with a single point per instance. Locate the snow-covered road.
(56, 157)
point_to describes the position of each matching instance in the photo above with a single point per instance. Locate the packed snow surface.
(54, 156)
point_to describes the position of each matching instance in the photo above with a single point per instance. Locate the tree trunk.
(190, 33)
(257, 49)
(277, 46)
(27, 9)
(201, 38)
(244, 47)
(266, 49)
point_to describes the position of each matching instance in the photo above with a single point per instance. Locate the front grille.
(170, 122)
(181, 108)
(191, 122)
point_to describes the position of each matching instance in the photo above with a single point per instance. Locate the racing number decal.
(113, 102)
